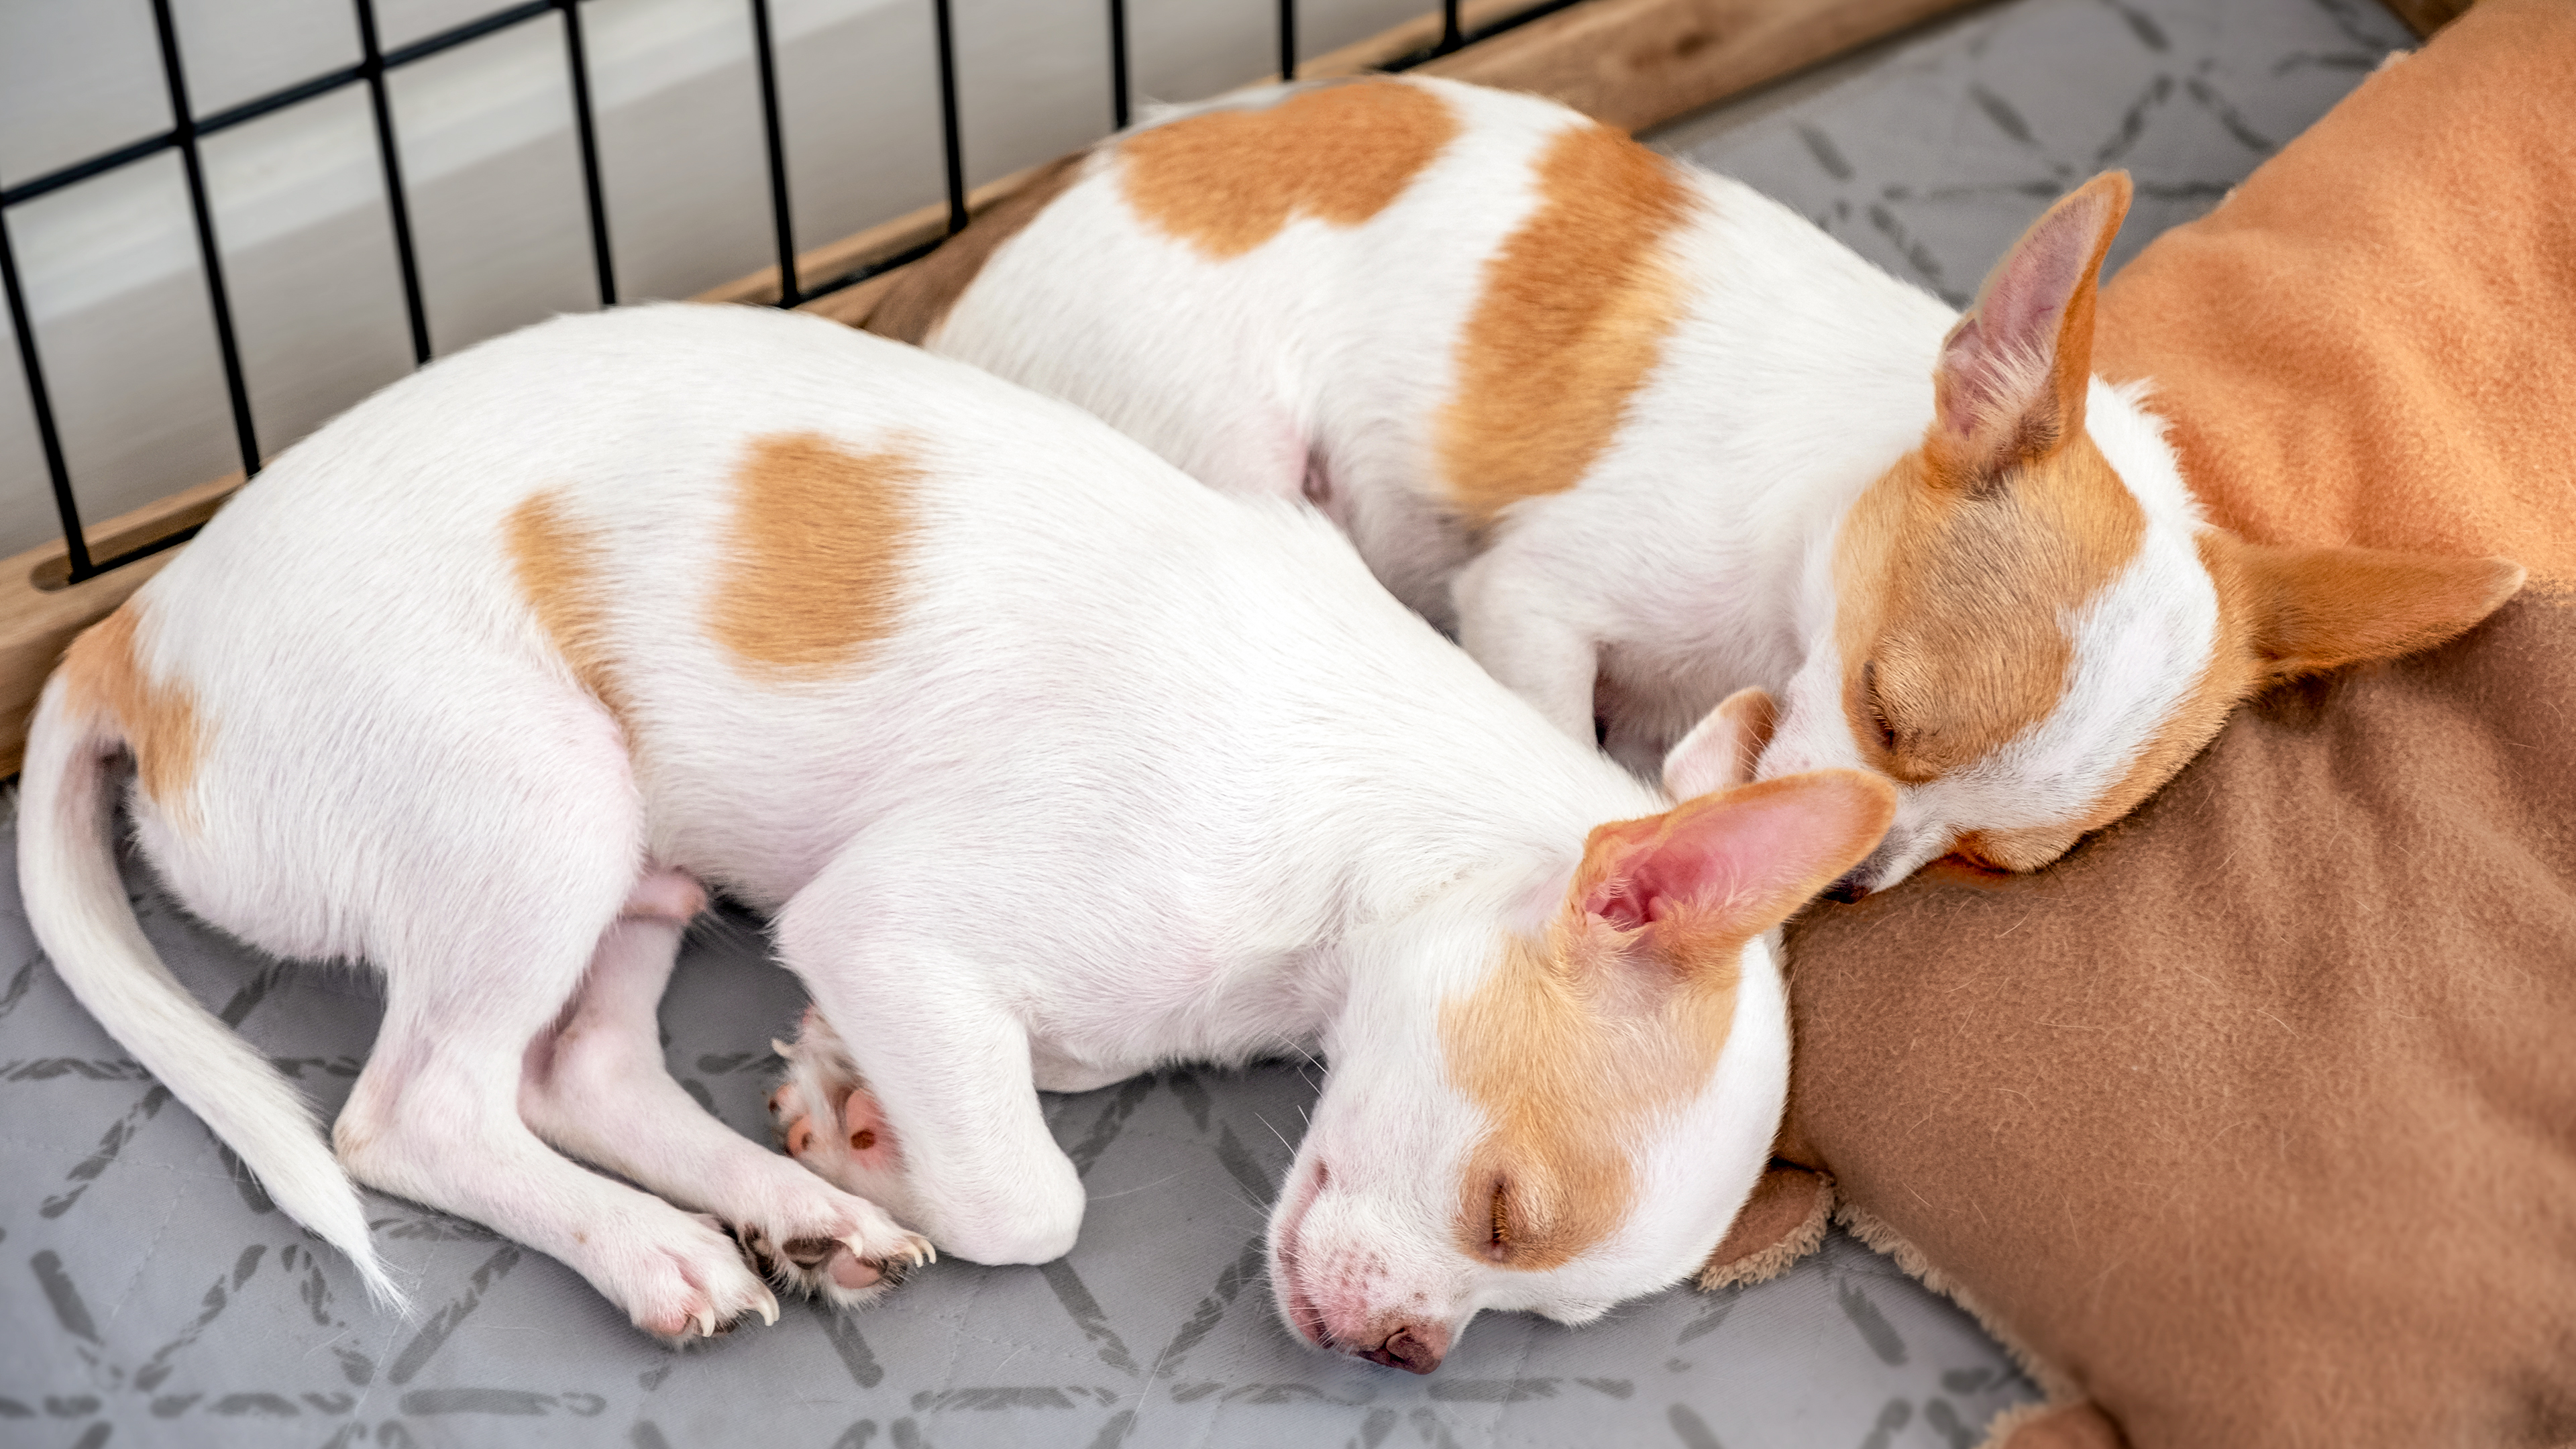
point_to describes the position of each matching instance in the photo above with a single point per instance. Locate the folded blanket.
(2369, 341)
(2253, 1121)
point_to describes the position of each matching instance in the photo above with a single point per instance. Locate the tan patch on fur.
(1951, 599)
(1574, 314)
(1570, 1060)
(556, 562)
(2227, 678)
(919, 300)
(159, 719)
(814, 554)
(1226, 181)
(1576, 1042)
(2281, 612)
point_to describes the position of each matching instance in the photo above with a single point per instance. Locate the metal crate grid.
(371, 70)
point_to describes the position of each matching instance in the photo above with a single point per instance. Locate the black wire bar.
(951, 144)
(209, 253)
(1464, 37)
(1118, 101)
(373, 69)
(397, 204)
(779, 215)
(183, 136)
(274, 101)
(587, 130)
(74, 543)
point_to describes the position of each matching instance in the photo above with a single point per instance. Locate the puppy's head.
(2030, 634)
(1576, 1113)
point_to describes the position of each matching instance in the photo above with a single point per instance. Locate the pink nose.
(1414, 1349)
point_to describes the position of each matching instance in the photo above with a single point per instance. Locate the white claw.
(768, 1307)
(782, 1048)
(706, 1323)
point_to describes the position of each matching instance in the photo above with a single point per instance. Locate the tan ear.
(2306, 610)
(1729, 866)
(1720, 751)
(2010, 384)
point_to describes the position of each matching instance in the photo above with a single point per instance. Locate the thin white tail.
(77, 904)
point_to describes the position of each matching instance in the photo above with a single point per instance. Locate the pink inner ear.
(1705, 866)
(1997, 365)
(2001, 353)
(1741, 860)
(2027, 296)
(1611, 901)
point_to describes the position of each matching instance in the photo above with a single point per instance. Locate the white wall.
(494, 182)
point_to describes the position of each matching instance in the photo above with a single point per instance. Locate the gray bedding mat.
(149, 1294)
(150, 1285)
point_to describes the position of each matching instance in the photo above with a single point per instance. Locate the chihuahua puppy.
(1640, 437)
(1052, 765)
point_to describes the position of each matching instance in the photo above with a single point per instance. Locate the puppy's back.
(805, 579)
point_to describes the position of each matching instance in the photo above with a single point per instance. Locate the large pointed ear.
(2306, 610)
(2011, 380)
(1734, 864)
(1721, 750)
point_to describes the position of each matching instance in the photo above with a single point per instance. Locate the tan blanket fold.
(2369, 341)
(2256, 1115)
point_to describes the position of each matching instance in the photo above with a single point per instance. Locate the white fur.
(1143, 773)
(1694, 559)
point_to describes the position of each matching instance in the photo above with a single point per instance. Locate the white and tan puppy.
(1641, 437)
(1053, 765)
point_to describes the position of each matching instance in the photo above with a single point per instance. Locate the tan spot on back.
(1571, 1052)
(159, 718)
(1575, 309)
(1951, 597)
(919, 300)
(1225, 181)
(814, 554)
(556, 561)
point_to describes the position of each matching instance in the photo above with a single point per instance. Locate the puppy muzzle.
(1414, 1348)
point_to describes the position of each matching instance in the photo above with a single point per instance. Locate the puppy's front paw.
(828, 1121)
(849, 1270)
(683, 1280)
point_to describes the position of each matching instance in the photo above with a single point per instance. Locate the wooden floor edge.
(40, 615)
(1631, 63)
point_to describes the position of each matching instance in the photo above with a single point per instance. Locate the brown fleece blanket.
(2253, 1121)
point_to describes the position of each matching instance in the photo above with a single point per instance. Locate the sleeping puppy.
(1053, 766)
(1640, 437)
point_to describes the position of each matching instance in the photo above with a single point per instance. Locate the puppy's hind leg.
(598, 1088)
(435, 1114)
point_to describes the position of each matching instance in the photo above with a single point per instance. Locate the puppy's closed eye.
(1876, 705)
